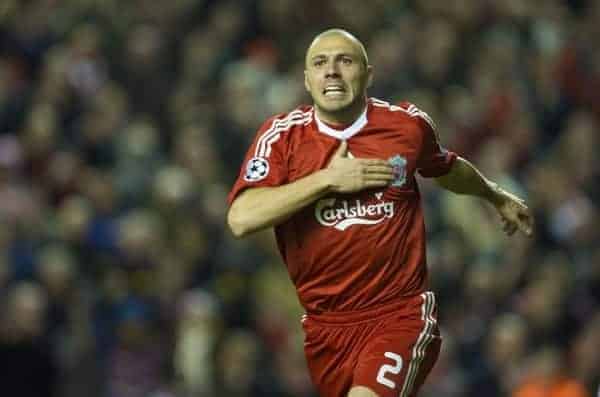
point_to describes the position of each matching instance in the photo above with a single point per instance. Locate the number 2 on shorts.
(394, 369)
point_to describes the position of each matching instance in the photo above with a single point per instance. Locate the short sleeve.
(265, 162)
(434, 160)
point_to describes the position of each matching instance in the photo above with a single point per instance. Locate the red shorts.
(390, 349)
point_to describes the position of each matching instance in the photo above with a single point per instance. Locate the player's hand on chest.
(314, 155)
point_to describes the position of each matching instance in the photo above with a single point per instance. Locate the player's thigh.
(330, 352)
(397, 362)
(362, 391)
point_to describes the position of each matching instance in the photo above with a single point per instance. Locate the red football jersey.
(350, 252)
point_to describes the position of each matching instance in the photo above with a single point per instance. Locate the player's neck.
(342, 118)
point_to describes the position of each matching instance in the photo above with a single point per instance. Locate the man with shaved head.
(337, 181)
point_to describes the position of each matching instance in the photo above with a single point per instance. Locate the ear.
(306, 82)
(369, 75)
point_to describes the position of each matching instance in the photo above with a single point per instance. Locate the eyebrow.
(343, 54)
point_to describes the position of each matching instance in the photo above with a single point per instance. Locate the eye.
(347, 61)
(319, 62)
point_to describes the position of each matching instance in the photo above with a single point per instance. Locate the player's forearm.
(465, 178)
(259, 208)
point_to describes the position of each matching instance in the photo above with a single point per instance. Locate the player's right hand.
(349, 175)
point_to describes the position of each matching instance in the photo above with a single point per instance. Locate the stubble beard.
(342, 112)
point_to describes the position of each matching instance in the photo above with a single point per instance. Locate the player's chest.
(314, 153)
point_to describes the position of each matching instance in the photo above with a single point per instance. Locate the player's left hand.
(514, 213)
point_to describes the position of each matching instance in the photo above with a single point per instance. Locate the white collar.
(346, 133)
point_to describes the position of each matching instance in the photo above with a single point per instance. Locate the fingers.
(375, 172)
(509, 227)
(379, 177)
(522, 221)
(356, 173)
(378, 169)
(374, 162)
(523, 218)
(376, 183)
(525, 222)
(342, 150)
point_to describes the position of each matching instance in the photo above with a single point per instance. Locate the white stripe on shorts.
(420, 347)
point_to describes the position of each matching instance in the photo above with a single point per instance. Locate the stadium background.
(122, 127)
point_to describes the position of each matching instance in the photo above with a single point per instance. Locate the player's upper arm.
(433, 159)
(265, 163)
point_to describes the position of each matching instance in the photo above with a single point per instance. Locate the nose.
(332, 70)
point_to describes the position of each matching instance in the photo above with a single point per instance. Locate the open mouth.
(334, 90)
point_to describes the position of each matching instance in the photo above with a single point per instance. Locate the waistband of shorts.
(412, 302)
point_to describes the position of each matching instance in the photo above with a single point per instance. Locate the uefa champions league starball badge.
(257, 168)
(398, 164)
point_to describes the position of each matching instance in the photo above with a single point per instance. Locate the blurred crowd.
(122, 128)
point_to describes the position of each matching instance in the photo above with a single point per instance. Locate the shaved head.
(337, 75)
(343, 33)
